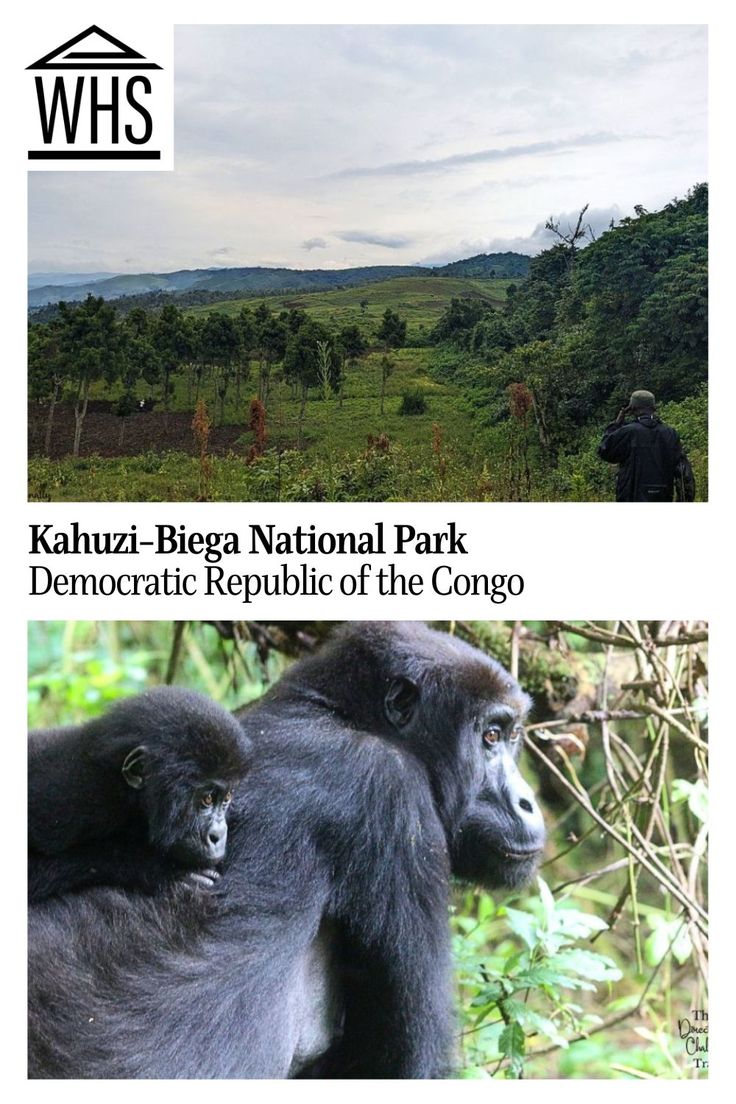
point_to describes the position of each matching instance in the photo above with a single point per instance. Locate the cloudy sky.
(326, 147)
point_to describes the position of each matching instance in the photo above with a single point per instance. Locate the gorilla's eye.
(208, 799)
(516, 734)
(492, 735)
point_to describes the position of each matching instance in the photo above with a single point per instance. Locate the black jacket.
(648, 453)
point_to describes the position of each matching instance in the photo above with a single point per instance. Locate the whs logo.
(97, 103)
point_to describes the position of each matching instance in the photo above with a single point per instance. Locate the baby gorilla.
(134, 798)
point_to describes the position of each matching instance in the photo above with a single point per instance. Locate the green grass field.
(421, 300)
(331, 428)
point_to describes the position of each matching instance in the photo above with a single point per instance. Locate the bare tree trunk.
(267, 383)
(302, 410)
(50, 419)
(165, 397)
(540, 421)
(80, 411)
(222, 393)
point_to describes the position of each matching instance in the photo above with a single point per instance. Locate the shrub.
(413, 402)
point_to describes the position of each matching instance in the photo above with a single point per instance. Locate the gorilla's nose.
(528, 812)
(216, 840)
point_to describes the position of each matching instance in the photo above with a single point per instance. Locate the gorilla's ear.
(400, 701)
(133, 767)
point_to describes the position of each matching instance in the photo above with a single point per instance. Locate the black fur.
(370, 779)
(133, 797)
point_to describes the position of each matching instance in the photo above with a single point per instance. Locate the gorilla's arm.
(392, 912)
(125, 865)
(397, 1022)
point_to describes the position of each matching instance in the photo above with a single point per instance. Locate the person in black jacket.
(652, 462)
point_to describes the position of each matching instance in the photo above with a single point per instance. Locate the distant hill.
(506, 266)
(66, 279)
(260, 280)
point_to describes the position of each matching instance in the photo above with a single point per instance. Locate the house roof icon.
(94, 54)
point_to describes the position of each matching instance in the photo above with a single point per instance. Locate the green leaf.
(486, 908)
(579, 925)
(548, 904)
(696, 795)
(511, 1043)
(489, 995)
(668, 936)
(588, 965)
(474, 1073)
(524, 925)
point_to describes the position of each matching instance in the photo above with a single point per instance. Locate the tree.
(387, 369)
(459, 319)
(301, 361)
(220, 346)
(172, 340)
(47, 369)
(353, 345)
(572, 235)
(324, 368)
(392, 333)
(125, 406)
(90, 343)
(272, 336)
(248, 331)
(138, 360)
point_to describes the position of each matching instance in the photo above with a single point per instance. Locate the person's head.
(642, 402)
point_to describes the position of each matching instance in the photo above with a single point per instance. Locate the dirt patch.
(144, 432)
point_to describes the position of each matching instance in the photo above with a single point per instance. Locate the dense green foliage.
(587, 328)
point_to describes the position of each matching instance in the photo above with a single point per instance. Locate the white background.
(579, 561)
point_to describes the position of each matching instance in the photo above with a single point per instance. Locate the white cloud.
(371, 237)
(410, 131)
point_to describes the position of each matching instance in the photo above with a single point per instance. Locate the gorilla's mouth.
(521, 856)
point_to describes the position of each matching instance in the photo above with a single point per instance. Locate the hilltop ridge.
(258, 279)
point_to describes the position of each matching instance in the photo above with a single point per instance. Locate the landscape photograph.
(392, 263)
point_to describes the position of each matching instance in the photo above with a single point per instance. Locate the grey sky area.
(327, 147)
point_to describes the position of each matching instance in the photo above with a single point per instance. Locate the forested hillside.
(589, 325)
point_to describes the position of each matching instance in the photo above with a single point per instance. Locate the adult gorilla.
(379, 764)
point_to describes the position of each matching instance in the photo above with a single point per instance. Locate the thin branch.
(175, 652)
(657, 871)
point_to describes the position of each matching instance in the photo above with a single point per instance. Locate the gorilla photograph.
(368, 850)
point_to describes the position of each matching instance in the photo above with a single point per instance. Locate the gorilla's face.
(465, 722)
(500, 839)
